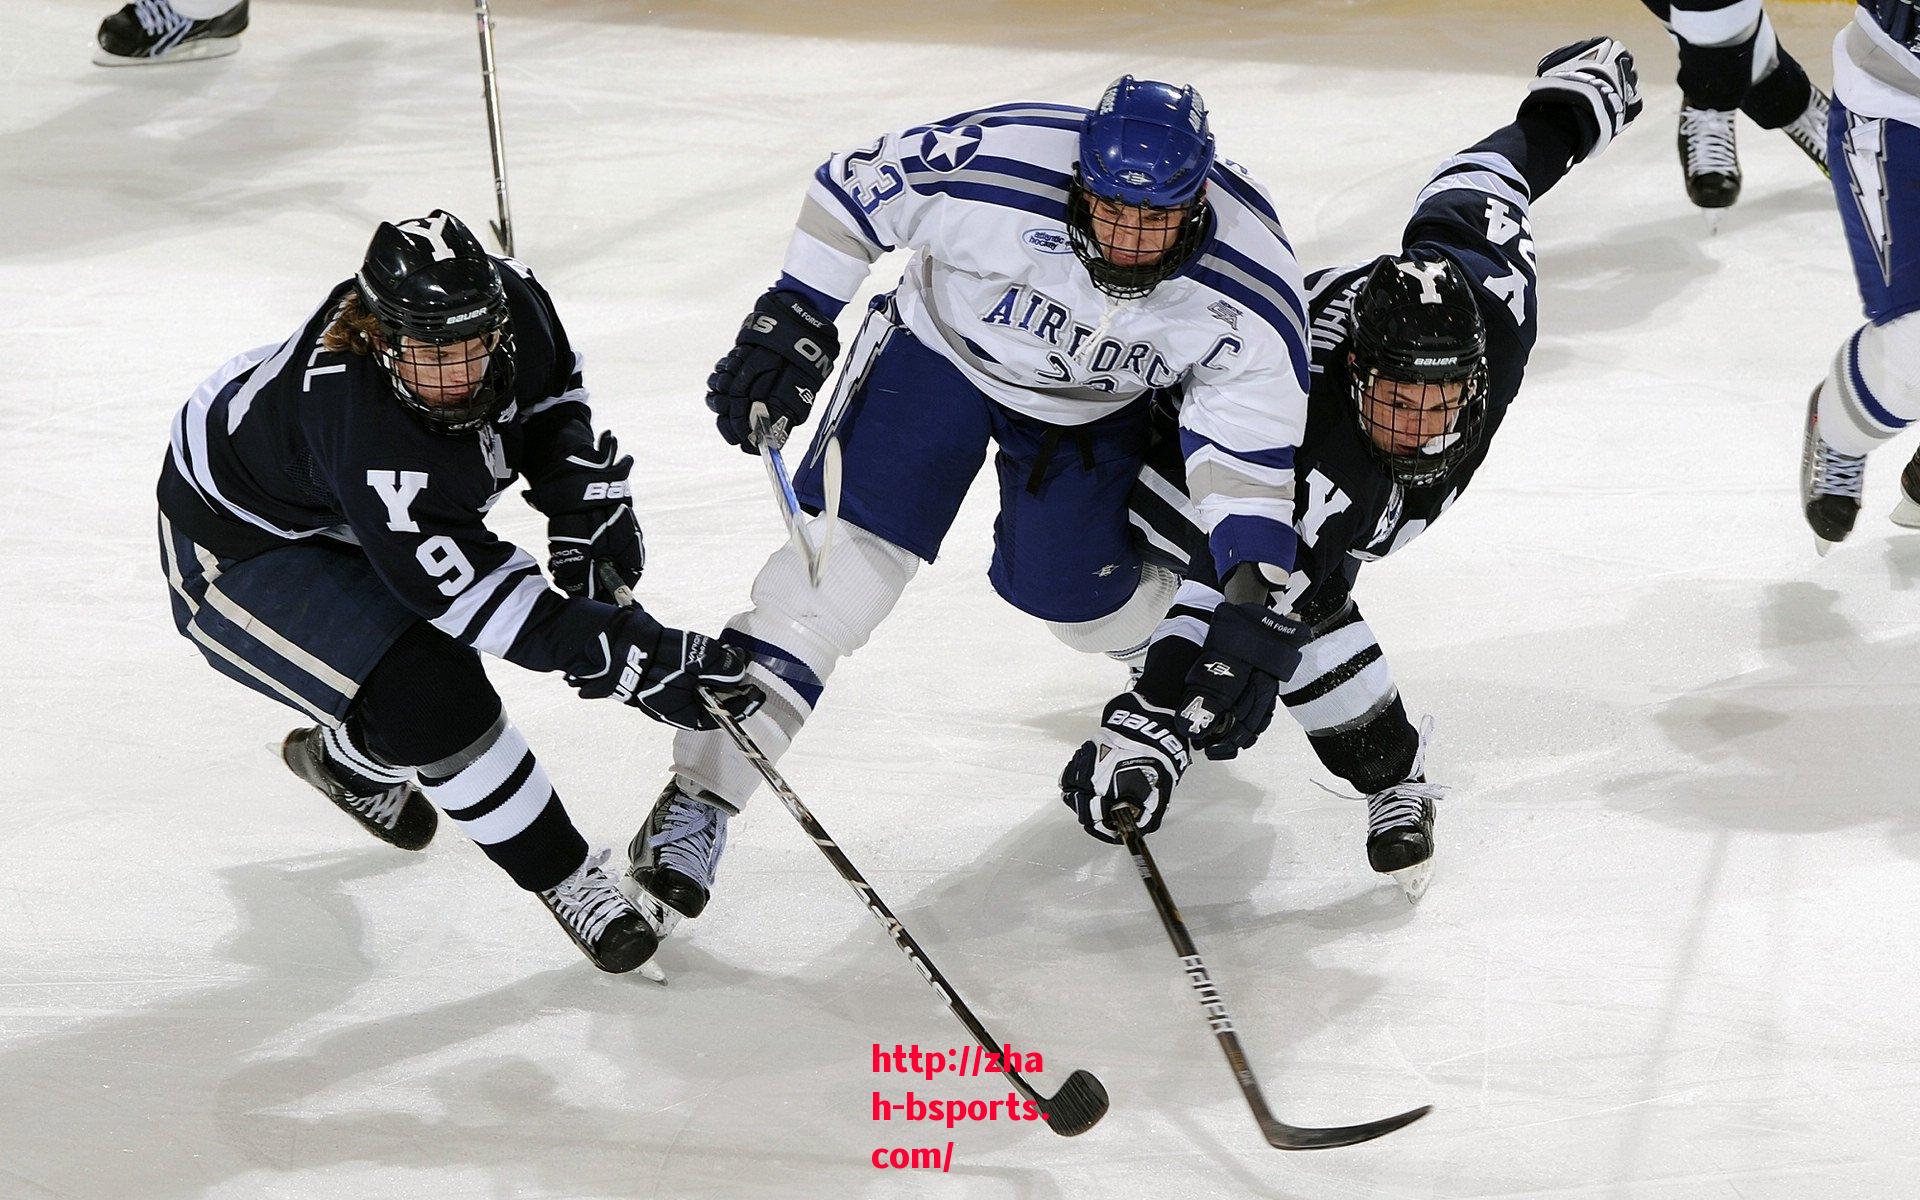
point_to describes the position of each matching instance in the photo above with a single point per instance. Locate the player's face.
(1133, 235)
(443, 375)
(1403, 416)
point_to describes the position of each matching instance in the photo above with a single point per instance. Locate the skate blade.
(1905, 514)
(660, 917)
(1712, 217)
(197, 51)
(647, 970)
(1413, 880)
(1823, 546)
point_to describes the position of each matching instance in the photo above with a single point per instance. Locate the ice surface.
(1669, 950)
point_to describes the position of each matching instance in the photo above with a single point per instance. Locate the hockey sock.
(498, 794)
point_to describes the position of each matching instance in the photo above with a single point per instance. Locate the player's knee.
(1128, 627)
(1374, 755)
(429, 699)
(864, 579)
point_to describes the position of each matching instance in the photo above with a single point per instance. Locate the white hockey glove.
(1138, 756)
(1595, 78)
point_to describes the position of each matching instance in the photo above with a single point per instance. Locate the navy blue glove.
(662, 672)
(777, 366)
(1232, 688)
(590, 522)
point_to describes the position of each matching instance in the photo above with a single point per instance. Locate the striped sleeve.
(1242, 420)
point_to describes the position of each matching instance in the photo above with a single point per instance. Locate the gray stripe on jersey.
(822, 226)
(991, 179)
(1474, 181)
(1284, 304)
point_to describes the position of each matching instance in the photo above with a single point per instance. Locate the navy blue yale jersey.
(294, 441)
(1347, 509)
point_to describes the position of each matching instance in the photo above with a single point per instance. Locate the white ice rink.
(1670, 948)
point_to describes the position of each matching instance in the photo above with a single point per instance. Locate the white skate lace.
(1834, 473)
(382, 808)
(587, 900)
(1709, 136)
(1400, 805)
(692, 840)
(157, 16)
(1809, 129)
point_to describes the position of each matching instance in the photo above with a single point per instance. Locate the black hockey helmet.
(1416, 324)
(430, 285)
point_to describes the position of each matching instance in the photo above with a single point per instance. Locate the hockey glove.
(1137, 758)
(590, 521)
(1233, 686)
(1596, 81)
(662, 672)
(783, 355)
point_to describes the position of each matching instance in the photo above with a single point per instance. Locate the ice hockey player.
(321, 529)
(1731, 60)
(1064, 262)
(152, 32)
(1415, 358)
(1873, 390)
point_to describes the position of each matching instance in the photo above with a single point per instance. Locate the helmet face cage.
(429, 382)
(1439, 421)
(1140, 225)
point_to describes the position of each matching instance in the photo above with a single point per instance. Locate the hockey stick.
(1081, 1100)
(1279, 1134)
(790, 511)
(496, 130)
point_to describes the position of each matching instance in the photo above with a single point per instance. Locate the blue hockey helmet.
(1144, 155)
(1147, 143)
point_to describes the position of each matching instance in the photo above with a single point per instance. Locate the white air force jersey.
(993, 285)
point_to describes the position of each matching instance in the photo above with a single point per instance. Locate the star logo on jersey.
(949, 149)
(1226, 312)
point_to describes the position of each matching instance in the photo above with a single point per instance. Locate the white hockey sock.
(1873, 389)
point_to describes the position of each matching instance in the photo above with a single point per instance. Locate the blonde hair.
(353, 329)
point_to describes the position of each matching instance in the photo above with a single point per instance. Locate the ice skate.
(1400, 834)
(675, 856)
(399, 816)
(149, 32)
(1907, 512)
(1710, 160)
(1830, 484)
(1809, 130)
(601, 921)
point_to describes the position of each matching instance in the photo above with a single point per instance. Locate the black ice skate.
(1400, 834)
(1809, 130)
(676, 855)
(150, 32)
(399, 816)
(1830, 483)
(1710, 160)
(601, 921)
(1907, 512)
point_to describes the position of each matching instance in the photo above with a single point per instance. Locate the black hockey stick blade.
(1282, 1136)
(1078, 1105)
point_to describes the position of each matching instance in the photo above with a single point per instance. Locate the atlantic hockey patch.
(1048, 241)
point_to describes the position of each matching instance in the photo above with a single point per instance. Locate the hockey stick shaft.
(813, 554)
(1278, 1134)
(496, 128)
(1080, 1102)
